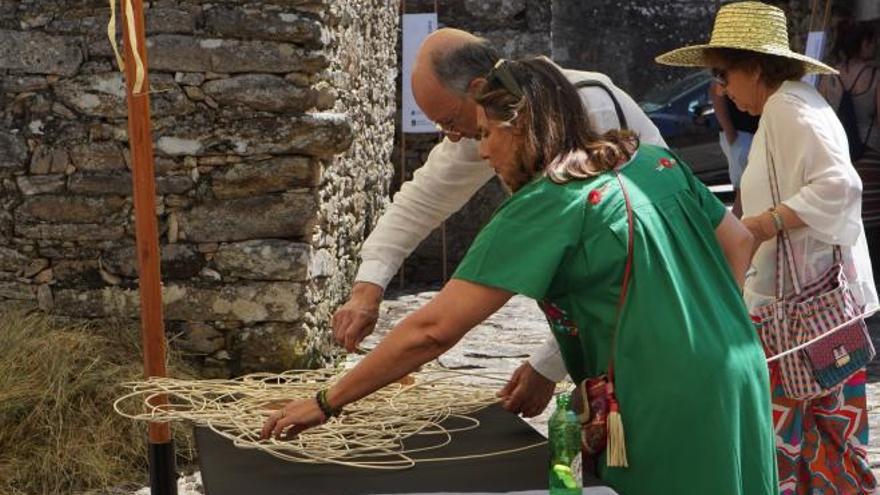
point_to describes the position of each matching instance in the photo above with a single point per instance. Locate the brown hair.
(557, 136)
(774, 69)
(851, 36)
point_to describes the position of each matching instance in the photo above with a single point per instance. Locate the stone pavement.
(503, 341)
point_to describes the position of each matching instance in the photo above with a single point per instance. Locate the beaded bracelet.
(328, 411)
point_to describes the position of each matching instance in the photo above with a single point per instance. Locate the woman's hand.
(296, 416)
(761, 226)
(738, 244)
(753, 223)
(419, 338)
(764, 227)
(761, 232)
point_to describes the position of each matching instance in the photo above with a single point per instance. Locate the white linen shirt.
(809, 150)
(452, 174)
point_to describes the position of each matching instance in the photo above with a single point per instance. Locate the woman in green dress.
(690, 375)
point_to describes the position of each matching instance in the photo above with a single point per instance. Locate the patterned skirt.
(820, 443)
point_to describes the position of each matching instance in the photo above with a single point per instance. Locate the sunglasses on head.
(720, 77)
(501, 73)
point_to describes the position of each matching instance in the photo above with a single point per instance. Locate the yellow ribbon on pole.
(132, 40)
(111, 34)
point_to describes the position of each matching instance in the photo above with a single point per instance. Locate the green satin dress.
(691, 377)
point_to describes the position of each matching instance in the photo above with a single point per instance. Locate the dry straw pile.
(58, 431)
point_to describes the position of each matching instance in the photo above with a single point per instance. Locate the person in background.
(737, 130)
(856, 49)
(690, 377)
(820, 443)
(447, 67)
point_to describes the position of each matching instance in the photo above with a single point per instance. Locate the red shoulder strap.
(627, 272)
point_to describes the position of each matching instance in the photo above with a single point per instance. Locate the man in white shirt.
(449, 69)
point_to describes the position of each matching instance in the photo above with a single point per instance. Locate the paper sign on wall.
(416, 27)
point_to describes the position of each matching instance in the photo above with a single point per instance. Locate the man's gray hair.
(456, 68)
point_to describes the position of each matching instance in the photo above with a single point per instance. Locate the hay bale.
(58, 430)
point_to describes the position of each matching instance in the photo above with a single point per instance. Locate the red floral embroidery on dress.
(664, 163)
(595, 196)
(558, 319)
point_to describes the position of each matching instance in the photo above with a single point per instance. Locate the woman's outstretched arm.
(737, 243)
(420, 337)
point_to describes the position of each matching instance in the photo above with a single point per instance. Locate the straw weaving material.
(368, 435)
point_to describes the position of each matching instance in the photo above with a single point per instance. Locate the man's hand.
(357, 318)
(527, 392)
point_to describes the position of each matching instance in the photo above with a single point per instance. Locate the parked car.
(680, 109)
(683, 112)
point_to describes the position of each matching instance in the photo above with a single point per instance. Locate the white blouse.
(802, 135)
(452, 174)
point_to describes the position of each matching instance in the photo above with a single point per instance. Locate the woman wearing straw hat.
(820, 442)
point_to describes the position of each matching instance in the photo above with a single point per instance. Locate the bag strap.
(856, 80)
(592, 83)
(870, 85)
(627, 272)
(874, 114)
(784, 251)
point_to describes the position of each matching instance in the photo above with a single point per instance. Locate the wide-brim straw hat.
(752, 26)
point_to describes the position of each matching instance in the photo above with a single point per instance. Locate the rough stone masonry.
(273, 122)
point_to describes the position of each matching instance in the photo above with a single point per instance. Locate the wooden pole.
(443, 239)
(827, 17)
(813, 8)
(444, 251)
(401, 279)
(162, 470)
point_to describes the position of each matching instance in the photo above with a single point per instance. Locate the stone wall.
(272, 140)
(363, 61)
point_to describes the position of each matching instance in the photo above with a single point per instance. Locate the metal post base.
(163, 469)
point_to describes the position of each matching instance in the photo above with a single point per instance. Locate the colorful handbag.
(841, 354)
(595, 400)
(594, 416)
(815, 336)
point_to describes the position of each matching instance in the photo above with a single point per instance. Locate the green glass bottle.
(565, 445)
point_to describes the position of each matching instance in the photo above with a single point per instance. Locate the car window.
(669, 92)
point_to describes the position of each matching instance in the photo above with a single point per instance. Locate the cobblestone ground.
(501, 343)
